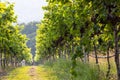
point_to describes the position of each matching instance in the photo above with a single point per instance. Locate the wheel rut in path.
(33, 73)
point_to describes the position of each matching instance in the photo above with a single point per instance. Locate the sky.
(28, 10)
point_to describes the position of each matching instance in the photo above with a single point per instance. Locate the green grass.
(45, 73)
(61, 69)
(28, 73)
(19, 74)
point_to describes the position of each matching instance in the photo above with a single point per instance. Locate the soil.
(33, 74)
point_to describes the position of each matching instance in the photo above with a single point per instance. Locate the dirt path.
(29, 73)
(33, 73)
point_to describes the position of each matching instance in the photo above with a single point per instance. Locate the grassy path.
(29, 73)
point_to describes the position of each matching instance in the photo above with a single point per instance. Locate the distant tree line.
(30, 30)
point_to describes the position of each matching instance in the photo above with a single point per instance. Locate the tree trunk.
(96, 57)
(72, 49)
(68, 52)
(116, 53)
(108, 61)
(4, 60)
(59, 52)
(85, 55)
(12, 61)
(88, 57)
(5, 57)
(53, 57)
(64, 52)
(0, 57)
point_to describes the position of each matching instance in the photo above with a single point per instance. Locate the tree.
(85, 25)
(12, 42)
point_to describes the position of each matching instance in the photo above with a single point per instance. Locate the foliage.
(12, 42)
(83, 26)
